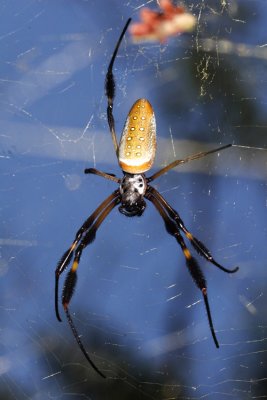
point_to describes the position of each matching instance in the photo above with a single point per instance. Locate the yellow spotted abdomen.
(137, 146)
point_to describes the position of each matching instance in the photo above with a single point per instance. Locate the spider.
(135, 153)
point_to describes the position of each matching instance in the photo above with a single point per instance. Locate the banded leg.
(110, 89)
(197, 244)
(71, 278)
(87, 239)
(191, 263)
(67, 256)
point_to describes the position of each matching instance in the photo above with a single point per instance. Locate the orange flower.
(160, 25)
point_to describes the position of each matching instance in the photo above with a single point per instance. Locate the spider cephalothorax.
(132, 190)
(136, 154)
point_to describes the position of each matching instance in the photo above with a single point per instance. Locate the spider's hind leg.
(110, 88)
(106, 175)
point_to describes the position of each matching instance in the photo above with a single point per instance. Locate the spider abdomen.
(137, 147)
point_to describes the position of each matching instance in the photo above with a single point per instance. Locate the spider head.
(132, 189)
(133, 210)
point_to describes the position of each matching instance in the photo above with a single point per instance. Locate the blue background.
(138, 311)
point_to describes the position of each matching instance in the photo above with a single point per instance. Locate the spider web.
(135, 306)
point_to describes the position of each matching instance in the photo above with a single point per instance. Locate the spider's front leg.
(191, 262)
(196, 243)
(67, 256)
(70, 282)
(88, 238)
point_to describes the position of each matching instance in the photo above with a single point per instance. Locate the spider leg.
(191, 263)
(71, 278)
(80, 344)
(87, 239)
(196, 243)
(185, 160)
(110, 89)
(105, 175)
(67, 256)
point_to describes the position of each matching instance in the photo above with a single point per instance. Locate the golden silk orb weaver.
(135, 153)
